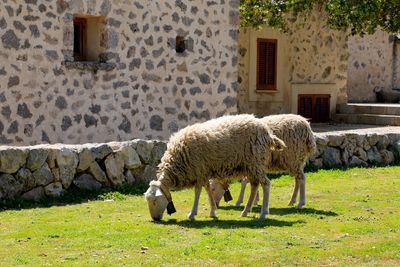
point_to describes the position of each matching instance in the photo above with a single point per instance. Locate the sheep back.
(230, 146)
(296, 133)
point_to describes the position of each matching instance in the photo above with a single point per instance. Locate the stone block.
(129, 156)
(157, 152)
(98, 173)
(86, 182)
(331, 157)
(9, 186)
(54, 189)
(36, 158)
(144, 149)
(115, 169)
(85, 159)
(25, 177)
(36, 194)
(43, 176)
(12, 159)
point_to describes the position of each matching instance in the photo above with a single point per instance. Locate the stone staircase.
(368, 113)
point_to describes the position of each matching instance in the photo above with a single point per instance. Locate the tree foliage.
(360, 16)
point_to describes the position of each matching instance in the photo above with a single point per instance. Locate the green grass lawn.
(351, 218)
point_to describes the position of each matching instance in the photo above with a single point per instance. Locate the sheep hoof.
(300, 205)
(291, 202)
(243, 214)
(191, 217)
(238, 204)
(262, 217)
(213, 215)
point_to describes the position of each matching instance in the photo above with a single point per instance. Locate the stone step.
(374, 119)
(369, 108)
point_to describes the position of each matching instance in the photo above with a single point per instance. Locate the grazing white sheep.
(296, 133)
(222, 149)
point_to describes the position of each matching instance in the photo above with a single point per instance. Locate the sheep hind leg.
(301, 178)
(247, 209)
(211, 200)
(242, 189)
(193, 212)
(266, 186)
(295, 192)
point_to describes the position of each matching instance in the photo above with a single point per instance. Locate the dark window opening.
(266, 64)
(80, 27)
(180, 44)
(314, 107)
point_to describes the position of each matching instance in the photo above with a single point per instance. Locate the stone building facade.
(138, 82)
(374, 62)
(311, 59)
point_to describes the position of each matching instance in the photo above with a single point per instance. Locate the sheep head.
(158, 199)
(217, 191)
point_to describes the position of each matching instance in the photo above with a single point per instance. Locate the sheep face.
(217, 191)
(156, 200)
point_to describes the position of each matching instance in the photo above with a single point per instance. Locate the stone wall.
(141, 87)
(355, 150)
(49, 170)
(36, 171)
(370, 65)
(312, 59)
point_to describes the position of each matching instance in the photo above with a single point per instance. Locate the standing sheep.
(296, 133)
(221, 149)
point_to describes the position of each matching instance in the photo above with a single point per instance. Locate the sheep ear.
(159, 193)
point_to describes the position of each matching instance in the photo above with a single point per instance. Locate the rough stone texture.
(35, 194)
(85, 159)
(372, 64)
(9, 186)
(311, 59)
(36, 158)
(54, 189)
(67, 161)
(130, 157)
(114, 168)
(149, 173)
(43, 176)
(331, 157)
(25, 177)
(157, 152)
(144, 149)
(86, 182)
(136, 54)
(12, 159)
(98, 173)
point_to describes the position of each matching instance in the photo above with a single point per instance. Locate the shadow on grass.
(228, 224)
(285, 211)
(75, 196)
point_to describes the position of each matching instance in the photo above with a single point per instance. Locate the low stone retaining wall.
(49, 170)
(352, 149)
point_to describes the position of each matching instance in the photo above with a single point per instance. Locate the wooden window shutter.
(266, 64)
(314, 107)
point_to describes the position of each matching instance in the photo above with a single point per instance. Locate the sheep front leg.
(266, 185)
(211, 200)
(302, 185)
(242, 189)
(247, 209)
(193, 213)
(295, 191)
